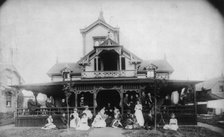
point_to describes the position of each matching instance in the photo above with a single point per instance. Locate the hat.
(86, 106)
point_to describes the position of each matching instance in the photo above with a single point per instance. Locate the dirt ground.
(12, 131)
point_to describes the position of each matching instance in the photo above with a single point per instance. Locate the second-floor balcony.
(109, 74)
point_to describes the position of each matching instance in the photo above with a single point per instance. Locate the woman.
(99, 120)
(117, 118)
(138, 114)
(50, 124)
(74, 122)
(173, 123)
(83, 123)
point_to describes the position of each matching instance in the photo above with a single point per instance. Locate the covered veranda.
(94, 92)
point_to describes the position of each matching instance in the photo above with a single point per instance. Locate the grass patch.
(182, 132)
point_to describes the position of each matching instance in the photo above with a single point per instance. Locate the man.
(109, 110)
(144, 100)
(88, 114)
(126, 102)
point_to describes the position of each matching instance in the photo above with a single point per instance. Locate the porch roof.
(55, 88)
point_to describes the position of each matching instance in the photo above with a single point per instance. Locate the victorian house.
(8, 76)
(107, 72)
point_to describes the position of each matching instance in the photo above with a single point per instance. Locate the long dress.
(49, 125)
(99, 121)
(172, 125)
(74, 122)
(138, 114)
(83, 124)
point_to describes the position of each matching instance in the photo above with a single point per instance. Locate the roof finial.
(101, 15)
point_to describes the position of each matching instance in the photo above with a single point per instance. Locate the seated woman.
(173, 123)
(50, 124)
(117, 118)
(99, 120)
(83, 123)
(74, 122)
(129, 120)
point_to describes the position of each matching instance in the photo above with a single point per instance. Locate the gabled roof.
(163, 65)
(109, 42)
(100, 21)
(11, 68)
(209, 84)
(59, 67)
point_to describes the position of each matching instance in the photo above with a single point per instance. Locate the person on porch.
(138, 114)
(109, 110)
(132, 104)
(117, 118)
(126, 102)
(50, 124)
(143, 100)
(173, 125)
(99, 120)
(75, 119)
(149, 101)
(83, 123)
(89, 114)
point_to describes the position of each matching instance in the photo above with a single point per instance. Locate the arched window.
(8, 96)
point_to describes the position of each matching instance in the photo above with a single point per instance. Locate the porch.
(95, 90)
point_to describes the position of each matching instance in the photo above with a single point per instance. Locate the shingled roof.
(163, 65)
(59, 67)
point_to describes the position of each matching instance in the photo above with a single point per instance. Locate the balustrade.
(108, 74)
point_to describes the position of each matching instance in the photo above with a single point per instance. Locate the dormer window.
(98, 40)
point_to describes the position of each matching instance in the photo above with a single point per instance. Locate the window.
(98, 40)
(123, 63)
(8, 99)
(221, 88)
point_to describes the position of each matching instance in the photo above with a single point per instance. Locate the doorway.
(108, 96)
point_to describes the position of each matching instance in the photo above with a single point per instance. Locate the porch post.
(94, 100)
(97, 59)
(76, 99)
(121, 101)
(195, 102)
(120, 62)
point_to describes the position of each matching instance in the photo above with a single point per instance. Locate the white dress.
(173, 124)
(88, 113)
(83, 124)
(74, 122)
(99, 121)
(139, 115)
(49, 125)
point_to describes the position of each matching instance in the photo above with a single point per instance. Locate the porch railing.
(47, 111)
(109, 74)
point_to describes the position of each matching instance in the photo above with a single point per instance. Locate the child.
(173, 123)
(50, 124)
(83, 123)
(74, 122)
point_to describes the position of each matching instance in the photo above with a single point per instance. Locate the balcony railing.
(109, 74)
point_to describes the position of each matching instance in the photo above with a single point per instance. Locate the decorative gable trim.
(96, 23)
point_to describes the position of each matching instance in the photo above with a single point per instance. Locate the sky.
(189, 34)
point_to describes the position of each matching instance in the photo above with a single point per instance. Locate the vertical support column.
(84, 43)
(97, 61)
(195, 102)
(120, 62)
(94, 103)
(76, 98)
(121, 101)
(94, 100)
